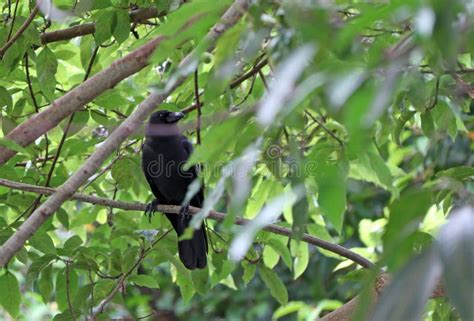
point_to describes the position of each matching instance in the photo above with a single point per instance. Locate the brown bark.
(136, 16)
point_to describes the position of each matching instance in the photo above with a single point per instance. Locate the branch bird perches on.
(217, 216)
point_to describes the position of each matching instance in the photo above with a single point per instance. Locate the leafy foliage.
(350, 121)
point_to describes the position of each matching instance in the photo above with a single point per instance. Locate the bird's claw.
(183, 211)
(150, 209)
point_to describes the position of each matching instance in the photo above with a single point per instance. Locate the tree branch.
(27, 132)
(19, 32)
(131, 124)
(217, 216)
(136, 16)
(346, 312)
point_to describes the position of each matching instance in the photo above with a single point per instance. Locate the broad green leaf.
(331, 180)
(37, 266)
(412, 205)
(282, 249)
(103, 26)
(249, 272)
(270, 257)
(445, 119)
(43, 242)
(121, 30)
(121, 171)
(370, 166)
(47, 66)
(10, 297)
(201, 280)
(5, 98)
(72, 243)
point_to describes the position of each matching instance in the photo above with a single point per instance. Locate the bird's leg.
(183, 211)
(150, 209)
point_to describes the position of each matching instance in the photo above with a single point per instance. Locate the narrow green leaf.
(300, 253)
(274, 283)
(144, 280)
(46, 67)
(45, 283)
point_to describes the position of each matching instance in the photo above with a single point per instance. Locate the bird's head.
(165, 117)
(163, 123)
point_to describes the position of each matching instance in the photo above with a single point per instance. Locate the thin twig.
(325, 128)
(68, 294)
(35, 104)
(260, 73)
(435, 100)
(13, 20)
(198, 104)
(120, 282)
(255, 69)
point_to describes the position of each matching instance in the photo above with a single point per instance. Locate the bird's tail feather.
(192, 252)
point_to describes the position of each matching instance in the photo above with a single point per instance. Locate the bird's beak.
(174, 117)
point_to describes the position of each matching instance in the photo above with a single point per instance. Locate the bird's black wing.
(198, 199)
(148, 157)
(199, 240)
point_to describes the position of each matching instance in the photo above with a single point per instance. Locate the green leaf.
(300, 253)
(121, 171)
(121, 30)
(445, 119)
(427, 124)
(331, 180)
(370, 166)
(72, 243)
(46, 67)
(103, 26)
(64, 288)
(400, 125)
(43, 242)
(270, 257)
(37, 266)
(5, 98)
(144, 280)
(45, 283)
(461, 173)
(10, 296)
(201, 280)
(13, 146)
(282, 249)
(274, 283)
(249, 271)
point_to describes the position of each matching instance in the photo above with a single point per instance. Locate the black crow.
(165, 152)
